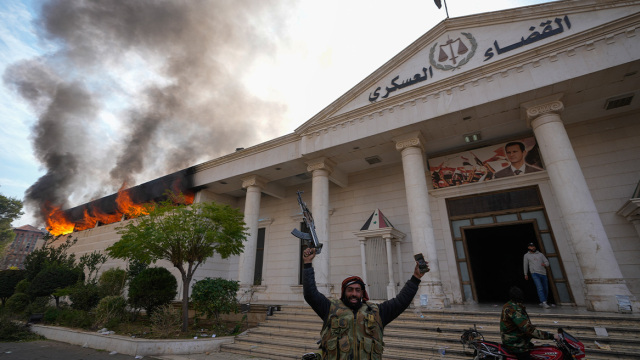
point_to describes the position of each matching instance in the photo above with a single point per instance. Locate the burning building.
(547, 93)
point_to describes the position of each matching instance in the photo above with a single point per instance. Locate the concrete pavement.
(54, 350)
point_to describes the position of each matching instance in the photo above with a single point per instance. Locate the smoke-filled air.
(133, 90)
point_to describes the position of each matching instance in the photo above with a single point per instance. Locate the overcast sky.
(97, 94)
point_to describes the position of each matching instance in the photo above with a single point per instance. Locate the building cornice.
(262, 147)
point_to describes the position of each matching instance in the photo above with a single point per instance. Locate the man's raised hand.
(308, 254)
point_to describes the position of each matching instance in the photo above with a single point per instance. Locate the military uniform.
(354, 334)
(516, 329)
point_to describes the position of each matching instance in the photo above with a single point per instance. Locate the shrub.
(18, 302)
(111, 310)
(8, 281)
(23, 286)
(84, 296)
(112, 282)
(38, 305)
(51, 315)
(212, 297)
(165, 320)
(74, 318)
(152, 287)
(55, 277)
(12, 331)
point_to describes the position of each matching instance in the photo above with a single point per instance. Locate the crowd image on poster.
(513, 158)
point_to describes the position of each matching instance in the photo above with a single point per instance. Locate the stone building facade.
(28, 238)
(423, 139)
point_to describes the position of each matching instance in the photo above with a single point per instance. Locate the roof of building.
(29, 228)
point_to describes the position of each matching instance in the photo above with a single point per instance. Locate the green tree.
(8, 281)
(185, 235)
(47, 255)
(93, 262)
(53, 278)
(10, 209)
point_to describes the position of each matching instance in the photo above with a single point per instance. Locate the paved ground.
(54, 350)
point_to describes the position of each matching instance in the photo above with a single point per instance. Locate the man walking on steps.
(536, 263)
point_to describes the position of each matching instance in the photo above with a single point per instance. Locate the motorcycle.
(567, 347)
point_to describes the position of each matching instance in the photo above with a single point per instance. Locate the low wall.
(131, 346)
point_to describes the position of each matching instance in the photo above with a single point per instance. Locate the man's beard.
(352, 305)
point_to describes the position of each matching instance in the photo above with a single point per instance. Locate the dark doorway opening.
(495, 256)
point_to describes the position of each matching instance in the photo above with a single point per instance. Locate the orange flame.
(59, 224)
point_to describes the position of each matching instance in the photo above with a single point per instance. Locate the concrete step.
(295, 330)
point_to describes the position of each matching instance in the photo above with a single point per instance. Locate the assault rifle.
(310, 238)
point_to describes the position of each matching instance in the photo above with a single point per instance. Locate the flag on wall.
(376, 221)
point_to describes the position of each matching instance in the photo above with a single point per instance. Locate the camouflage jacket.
(516, 329)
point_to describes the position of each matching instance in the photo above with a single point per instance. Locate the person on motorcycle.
(353, 326)
(516, 329)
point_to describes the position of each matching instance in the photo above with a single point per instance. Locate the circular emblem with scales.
(454, 53)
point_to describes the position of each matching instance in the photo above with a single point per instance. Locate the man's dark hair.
(515, 143)
(516, 294)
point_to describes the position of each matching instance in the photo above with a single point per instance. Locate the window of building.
(257, 274)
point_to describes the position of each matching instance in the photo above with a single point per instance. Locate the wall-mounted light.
(469, 138)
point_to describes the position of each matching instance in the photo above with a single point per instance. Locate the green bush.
(212, 297)
(74, 318)
(51, 315)
(11, 331)
(8, 281)
(111, 310)
(23, 286)
(152, 287)
(55, 277)
(18, 302)
(165, 320)
(38, 305)
(112, 282)
(84, 296)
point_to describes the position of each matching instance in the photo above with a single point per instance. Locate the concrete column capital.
(408, 140)
(536, 109)
(254, 180)
(321, 163)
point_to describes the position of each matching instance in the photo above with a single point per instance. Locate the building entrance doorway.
(490, 233)
(495, 257)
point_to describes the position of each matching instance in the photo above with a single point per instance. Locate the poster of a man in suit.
(516, 154)
(514, 158)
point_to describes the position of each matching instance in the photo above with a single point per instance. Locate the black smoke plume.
(188, 104)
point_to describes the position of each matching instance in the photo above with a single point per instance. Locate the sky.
(95, 95)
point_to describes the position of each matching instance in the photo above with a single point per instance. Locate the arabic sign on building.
(397, 84)
(513, 158)
(542, 32)
(455, 50)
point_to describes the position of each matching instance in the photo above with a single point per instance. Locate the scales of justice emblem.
(452, 50)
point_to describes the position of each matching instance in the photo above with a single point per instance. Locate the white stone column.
(602, 276)
(320, 169)
(247, 262)
(411, 146)
(391, 288)
(363, 257)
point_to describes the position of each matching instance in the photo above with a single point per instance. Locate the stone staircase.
(416, 334)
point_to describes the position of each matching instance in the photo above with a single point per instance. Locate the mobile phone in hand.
(422, 264)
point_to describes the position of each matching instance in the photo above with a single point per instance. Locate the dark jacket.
(389, 309)
(506, 172)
